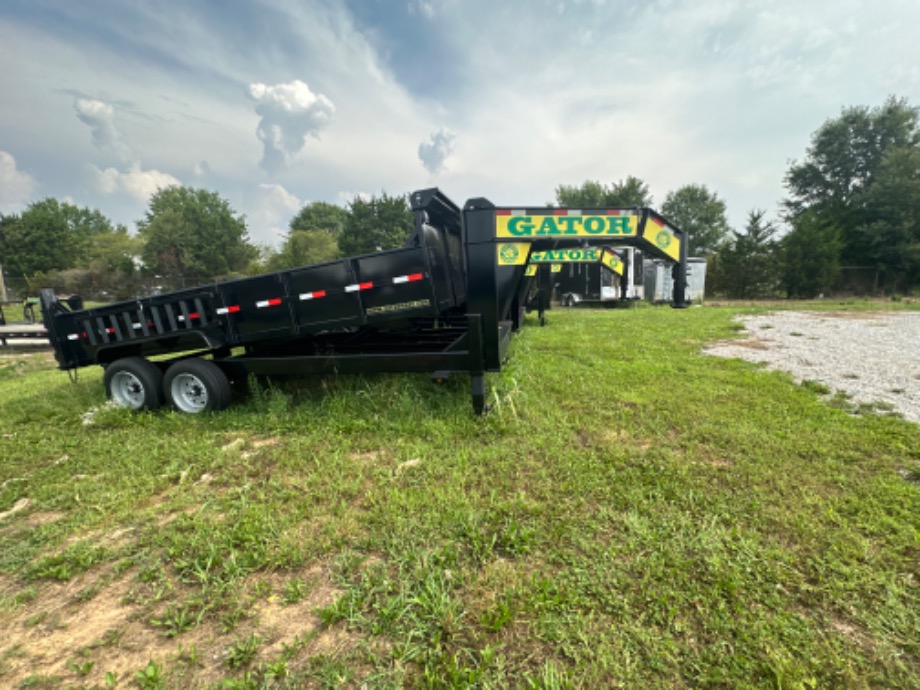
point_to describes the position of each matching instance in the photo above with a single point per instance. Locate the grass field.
(630, 514)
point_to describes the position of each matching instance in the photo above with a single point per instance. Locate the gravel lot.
(872, 356)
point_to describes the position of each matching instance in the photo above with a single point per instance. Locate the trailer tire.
(197, 385)
(135, 383)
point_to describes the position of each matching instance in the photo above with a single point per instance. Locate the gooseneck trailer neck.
(448, 301)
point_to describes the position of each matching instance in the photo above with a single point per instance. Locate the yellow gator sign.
(588, 255)
(613, 262)
(516, 224)
(657, 233)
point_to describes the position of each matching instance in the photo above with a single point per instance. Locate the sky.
(278, 103)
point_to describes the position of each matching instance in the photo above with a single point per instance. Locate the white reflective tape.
(307, 295)
(401, 279)
(222, 310)
(352, 288)
(73, 336)
(574, 213)
(262, 304)
(136, 325)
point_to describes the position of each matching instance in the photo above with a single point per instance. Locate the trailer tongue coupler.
(446, 302)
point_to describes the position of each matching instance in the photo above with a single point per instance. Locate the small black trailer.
(448, 301)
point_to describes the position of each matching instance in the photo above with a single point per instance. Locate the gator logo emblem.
(512, 253)
(663, 239)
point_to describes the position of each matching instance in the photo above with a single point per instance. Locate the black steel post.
(679, 275)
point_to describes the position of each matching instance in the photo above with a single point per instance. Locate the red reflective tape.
(359, 286)
(560, 212)
(194, 315)
(613, 212)
(109, 330)
(502, 212)
(234, 309)
(408, 279)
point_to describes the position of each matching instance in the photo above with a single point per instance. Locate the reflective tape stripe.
(228, 310)
(359, 286)
(409, 278)
(316, 294)
(274, 302)
(73, 336)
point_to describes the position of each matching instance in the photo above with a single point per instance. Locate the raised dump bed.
(446, 302)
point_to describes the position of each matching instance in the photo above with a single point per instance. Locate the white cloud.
(426, 9)
(16, 187)
(100, 118)
(136, 183)
(434, 152)
(201, 169)
(290, 112)
(270, 213)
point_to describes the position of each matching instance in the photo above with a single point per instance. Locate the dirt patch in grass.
(60, 634)
(56, 630)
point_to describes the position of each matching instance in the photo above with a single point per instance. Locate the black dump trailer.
(448, 301)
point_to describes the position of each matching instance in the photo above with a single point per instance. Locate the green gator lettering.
(520, 226)
(548, 227)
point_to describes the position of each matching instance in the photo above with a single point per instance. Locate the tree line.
(852, 215)
(187, 237)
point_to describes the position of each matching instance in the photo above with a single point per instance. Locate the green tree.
(313, 238)
(701, 214)
(49, 236)
(193, 234)
(746, 266)
(305, 247)
(383, 222)
(891, 236)
(320, 215)
(848, 158)
(810, 256)
(623, 194)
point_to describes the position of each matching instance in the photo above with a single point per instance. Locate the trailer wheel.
(135, 383)
(197, 385)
